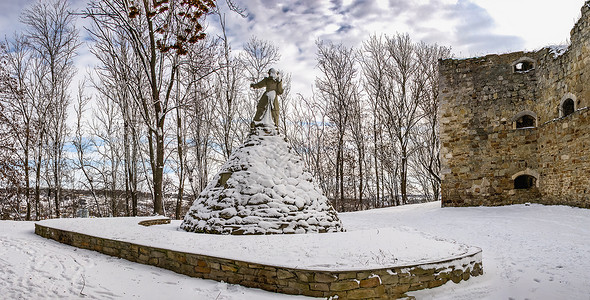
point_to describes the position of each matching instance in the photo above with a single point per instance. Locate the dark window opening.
(523, 66)
(524, 182)
(525, 121)
(568, 107)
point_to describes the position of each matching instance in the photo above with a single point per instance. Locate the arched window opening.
(568, 107)
(524, 182)
(523, 66)
(526, 121)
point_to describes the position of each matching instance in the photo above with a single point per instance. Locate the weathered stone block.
(389, 279)
(284, 274)
(143, 250)
(247, 271)
(202, 269)
(398, 289)
(229, 268)
(325, 277)
(370, 282)
(436, 283)
(299, 286)
(346, 275)
(365, 293)
(158, 253)
(314, 286)
(304, 276)
(344, 285)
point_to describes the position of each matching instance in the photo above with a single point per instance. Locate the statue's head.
(272, 73)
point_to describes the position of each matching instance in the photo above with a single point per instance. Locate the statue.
(268, 105)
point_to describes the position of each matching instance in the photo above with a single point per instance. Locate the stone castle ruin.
(515, 128)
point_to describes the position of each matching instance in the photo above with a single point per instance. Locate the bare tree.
(106, 131)
(258, 57)
(308, 137)
(53, 38)
(83, 146)
(374, 65)
(231, 108)
(201, 119)
(117, 80)
(169, 29)
(400, 105)
(338, 88)
(426, 139)
(358, 132)
(194, 106)
(18, 62)
(10, 129)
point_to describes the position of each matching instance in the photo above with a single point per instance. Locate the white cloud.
(539, 23)
(470, 27)
(295, 26)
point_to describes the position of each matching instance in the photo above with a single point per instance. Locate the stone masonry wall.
(481, 149)
(565, 160)
(389, 283)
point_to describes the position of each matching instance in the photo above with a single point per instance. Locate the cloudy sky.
(469, 27)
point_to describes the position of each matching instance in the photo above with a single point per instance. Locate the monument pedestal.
(262, 189)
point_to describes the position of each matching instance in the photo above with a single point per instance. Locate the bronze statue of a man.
(270, 99)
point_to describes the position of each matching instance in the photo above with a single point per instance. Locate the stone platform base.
(386, 283)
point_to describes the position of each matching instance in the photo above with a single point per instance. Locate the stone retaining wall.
(389, 283)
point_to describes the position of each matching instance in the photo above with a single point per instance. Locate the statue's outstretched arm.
(260, 84)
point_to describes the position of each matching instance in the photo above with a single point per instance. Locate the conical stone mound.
(262, 189)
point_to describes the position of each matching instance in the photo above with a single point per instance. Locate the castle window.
(567, 105)
(524, 119)
(524, 182)
(523, 65)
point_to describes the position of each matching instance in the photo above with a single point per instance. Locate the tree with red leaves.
(159, 33)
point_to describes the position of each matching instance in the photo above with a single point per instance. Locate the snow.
(529, 252)
(32, 267)
(372, 249)
(557, 50)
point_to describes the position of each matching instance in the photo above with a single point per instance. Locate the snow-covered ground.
(529, 252)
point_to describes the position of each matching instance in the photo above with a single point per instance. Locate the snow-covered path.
(529, 252)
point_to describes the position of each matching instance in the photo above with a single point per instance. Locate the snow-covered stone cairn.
(263, 187)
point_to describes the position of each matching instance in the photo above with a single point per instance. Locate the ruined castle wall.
(565, 160)
(482, 151)
(566, 74)
(564, 143)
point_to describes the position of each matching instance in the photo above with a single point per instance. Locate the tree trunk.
(158, 174)
(180, 144)
(27, 180)
(376, 151)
